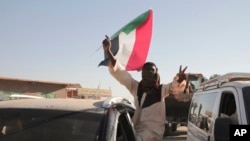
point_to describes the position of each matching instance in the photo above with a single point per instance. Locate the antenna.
(95, 51)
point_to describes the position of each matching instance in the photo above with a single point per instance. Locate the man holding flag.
(149, 117)
(131, 43)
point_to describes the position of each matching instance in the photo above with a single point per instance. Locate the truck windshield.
(196, 80)
(246, 97)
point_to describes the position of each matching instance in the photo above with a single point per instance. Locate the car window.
(246, 97)
(48, 125)
(201, 110)
(125, 130)
(228, 107)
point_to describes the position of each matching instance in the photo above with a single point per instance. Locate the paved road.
(179, 135)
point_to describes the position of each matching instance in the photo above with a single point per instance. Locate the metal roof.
(37, 81)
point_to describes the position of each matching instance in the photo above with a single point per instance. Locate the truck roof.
(52, 104)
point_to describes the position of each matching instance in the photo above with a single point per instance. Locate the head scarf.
(150, 80)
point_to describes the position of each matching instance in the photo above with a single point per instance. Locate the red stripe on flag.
(142, 44)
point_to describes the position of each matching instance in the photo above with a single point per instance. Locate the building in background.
(49, 89)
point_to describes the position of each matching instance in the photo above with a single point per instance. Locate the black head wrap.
(150, 79)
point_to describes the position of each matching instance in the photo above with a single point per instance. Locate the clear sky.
(54, 40)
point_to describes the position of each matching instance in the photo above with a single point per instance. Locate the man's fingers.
(180, 69)
(107, 37)
(184, 69)
(105, 41)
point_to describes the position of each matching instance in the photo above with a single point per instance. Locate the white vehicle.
(61, 119)
(218, 103)
(111, 100)
(21, 96)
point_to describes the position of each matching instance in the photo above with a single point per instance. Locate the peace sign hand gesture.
(182, 76)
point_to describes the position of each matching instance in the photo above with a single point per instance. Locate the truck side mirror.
(221, 129)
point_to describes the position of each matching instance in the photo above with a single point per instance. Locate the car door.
(201, 116)
(118, 124)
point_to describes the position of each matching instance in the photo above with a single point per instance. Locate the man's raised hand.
(182, 76)
(106, 43)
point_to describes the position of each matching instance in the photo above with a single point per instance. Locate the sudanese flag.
(130, 45)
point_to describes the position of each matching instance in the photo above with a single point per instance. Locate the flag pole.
(95, 51)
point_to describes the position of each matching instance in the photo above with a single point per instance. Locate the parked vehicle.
(18, 96)
(22, 96)
(218, 103)
(66, 120)
(177, 111)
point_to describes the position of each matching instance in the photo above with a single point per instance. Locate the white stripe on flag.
(126, 45)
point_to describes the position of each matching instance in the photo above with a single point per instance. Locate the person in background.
(149, 94)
